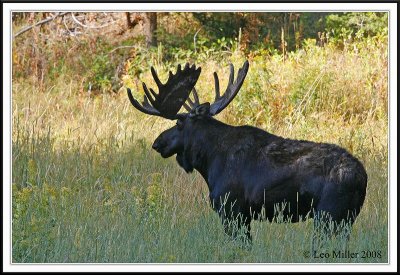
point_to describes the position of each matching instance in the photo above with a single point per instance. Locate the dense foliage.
(49, 50)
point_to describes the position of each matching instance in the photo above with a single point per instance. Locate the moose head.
(173, 95)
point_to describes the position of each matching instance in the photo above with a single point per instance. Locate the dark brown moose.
(250, 172)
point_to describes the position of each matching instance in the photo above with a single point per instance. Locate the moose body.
(250, 171)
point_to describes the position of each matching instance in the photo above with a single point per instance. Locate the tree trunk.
(150, 28)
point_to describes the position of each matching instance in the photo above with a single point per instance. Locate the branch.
(27, 28)
(194, 39)
(90, 27)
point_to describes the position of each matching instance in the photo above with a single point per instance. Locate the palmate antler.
(175, 92)
(172, 95)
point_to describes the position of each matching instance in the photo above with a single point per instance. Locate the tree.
(150, 28)
(149, 20)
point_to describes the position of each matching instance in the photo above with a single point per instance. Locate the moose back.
(250, 171)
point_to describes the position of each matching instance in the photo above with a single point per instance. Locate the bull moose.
(249, 171)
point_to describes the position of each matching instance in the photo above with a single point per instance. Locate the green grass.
(127, 204)
(87, 187)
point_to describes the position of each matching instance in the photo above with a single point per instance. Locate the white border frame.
(204, 7)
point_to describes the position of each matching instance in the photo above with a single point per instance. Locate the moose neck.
(203, 142)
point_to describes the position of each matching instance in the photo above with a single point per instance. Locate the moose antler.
(221, 102)
(175, 92)
(172, 95)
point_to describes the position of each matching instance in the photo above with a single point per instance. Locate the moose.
(248, 170)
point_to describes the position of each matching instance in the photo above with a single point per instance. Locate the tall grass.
(88, 188)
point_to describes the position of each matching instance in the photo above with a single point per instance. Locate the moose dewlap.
(249, 171)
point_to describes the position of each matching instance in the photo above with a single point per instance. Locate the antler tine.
(153, 92)
(146, 91)
(187, 107)
(155, 77)
(217, 93)
(191, 103)
(146, 102)
(196, 96)
(221, 102)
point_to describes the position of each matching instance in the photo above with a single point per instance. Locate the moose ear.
(201, 110)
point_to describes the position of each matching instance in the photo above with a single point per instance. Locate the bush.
(346, 27)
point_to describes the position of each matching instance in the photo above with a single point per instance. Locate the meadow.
(88, 188)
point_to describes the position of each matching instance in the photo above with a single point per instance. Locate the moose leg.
(333, 219)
